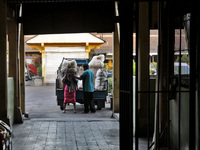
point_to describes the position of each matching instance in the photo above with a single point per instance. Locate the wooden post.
(43, 65)
(3, 58)
(14, 67)
(22, 70)
(126, 74)
(143, 65)
(163, 77)
(116, 65)
(87, 51)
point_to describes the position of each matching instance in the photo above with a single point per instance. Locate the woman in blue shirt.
(88, 88)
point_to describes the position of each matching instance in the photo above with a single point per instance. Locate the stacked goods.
(80, 84)
(80, 70)
(96, 63)
(66, 67)
(69, 66)
(100, 80)
(59, 77)
(79, 73)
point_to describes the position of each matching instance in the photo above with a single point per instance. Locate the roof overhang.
(78, 16)
(67, 17)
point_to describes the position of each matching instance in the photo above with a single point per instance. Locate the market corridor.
(47, 128)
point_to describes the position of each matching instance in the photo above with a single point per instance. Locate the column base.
(18, 116)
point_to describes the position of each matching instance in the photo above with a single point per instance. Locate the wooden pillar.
(22, 70)
(198, 88)
(126, 74)
(192, 48)
(43, 65)
(3, 58)
(116, 63)
(14, 67)
(87, 51)
(163, 59)
(143, 66)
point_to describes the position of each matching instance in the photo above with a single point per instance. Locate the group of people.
(70, 84)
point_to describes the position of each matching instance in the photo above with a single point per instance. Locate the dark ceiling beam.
(53, 1)
(49, 18)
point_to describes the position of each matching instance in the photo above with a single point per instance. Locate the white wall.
(54, 56)
(11, 95)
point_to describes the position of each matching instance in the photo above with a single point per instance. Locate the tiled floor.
(66, 135)
(49, 129)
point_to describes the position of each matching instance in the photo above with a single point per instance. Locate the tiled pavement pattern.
(49, 129)
(66, 135)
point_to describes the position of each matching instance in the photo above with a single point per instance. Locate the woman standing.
(70, 84)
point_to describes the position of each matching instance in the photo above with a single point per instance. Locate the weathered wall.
(143, 128)
(184, 121)
(10, 110)
(54, 56)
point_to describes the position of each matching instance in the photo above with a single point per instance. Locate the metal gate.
(176, 105)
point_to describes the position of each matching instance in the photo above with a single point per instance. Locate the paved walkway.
(47, 128)
(66, 135)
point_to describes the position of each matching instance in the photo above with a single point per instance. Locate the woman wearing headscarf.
(69, 90)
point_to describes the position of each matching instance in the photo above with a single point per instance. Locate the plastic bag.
(69, 66)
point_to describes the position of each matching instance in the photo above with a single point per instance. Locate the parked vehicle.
(99, 96)
(31, 68)
(27, 75)
(110, 73)
(152, 69)
(185, 68)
